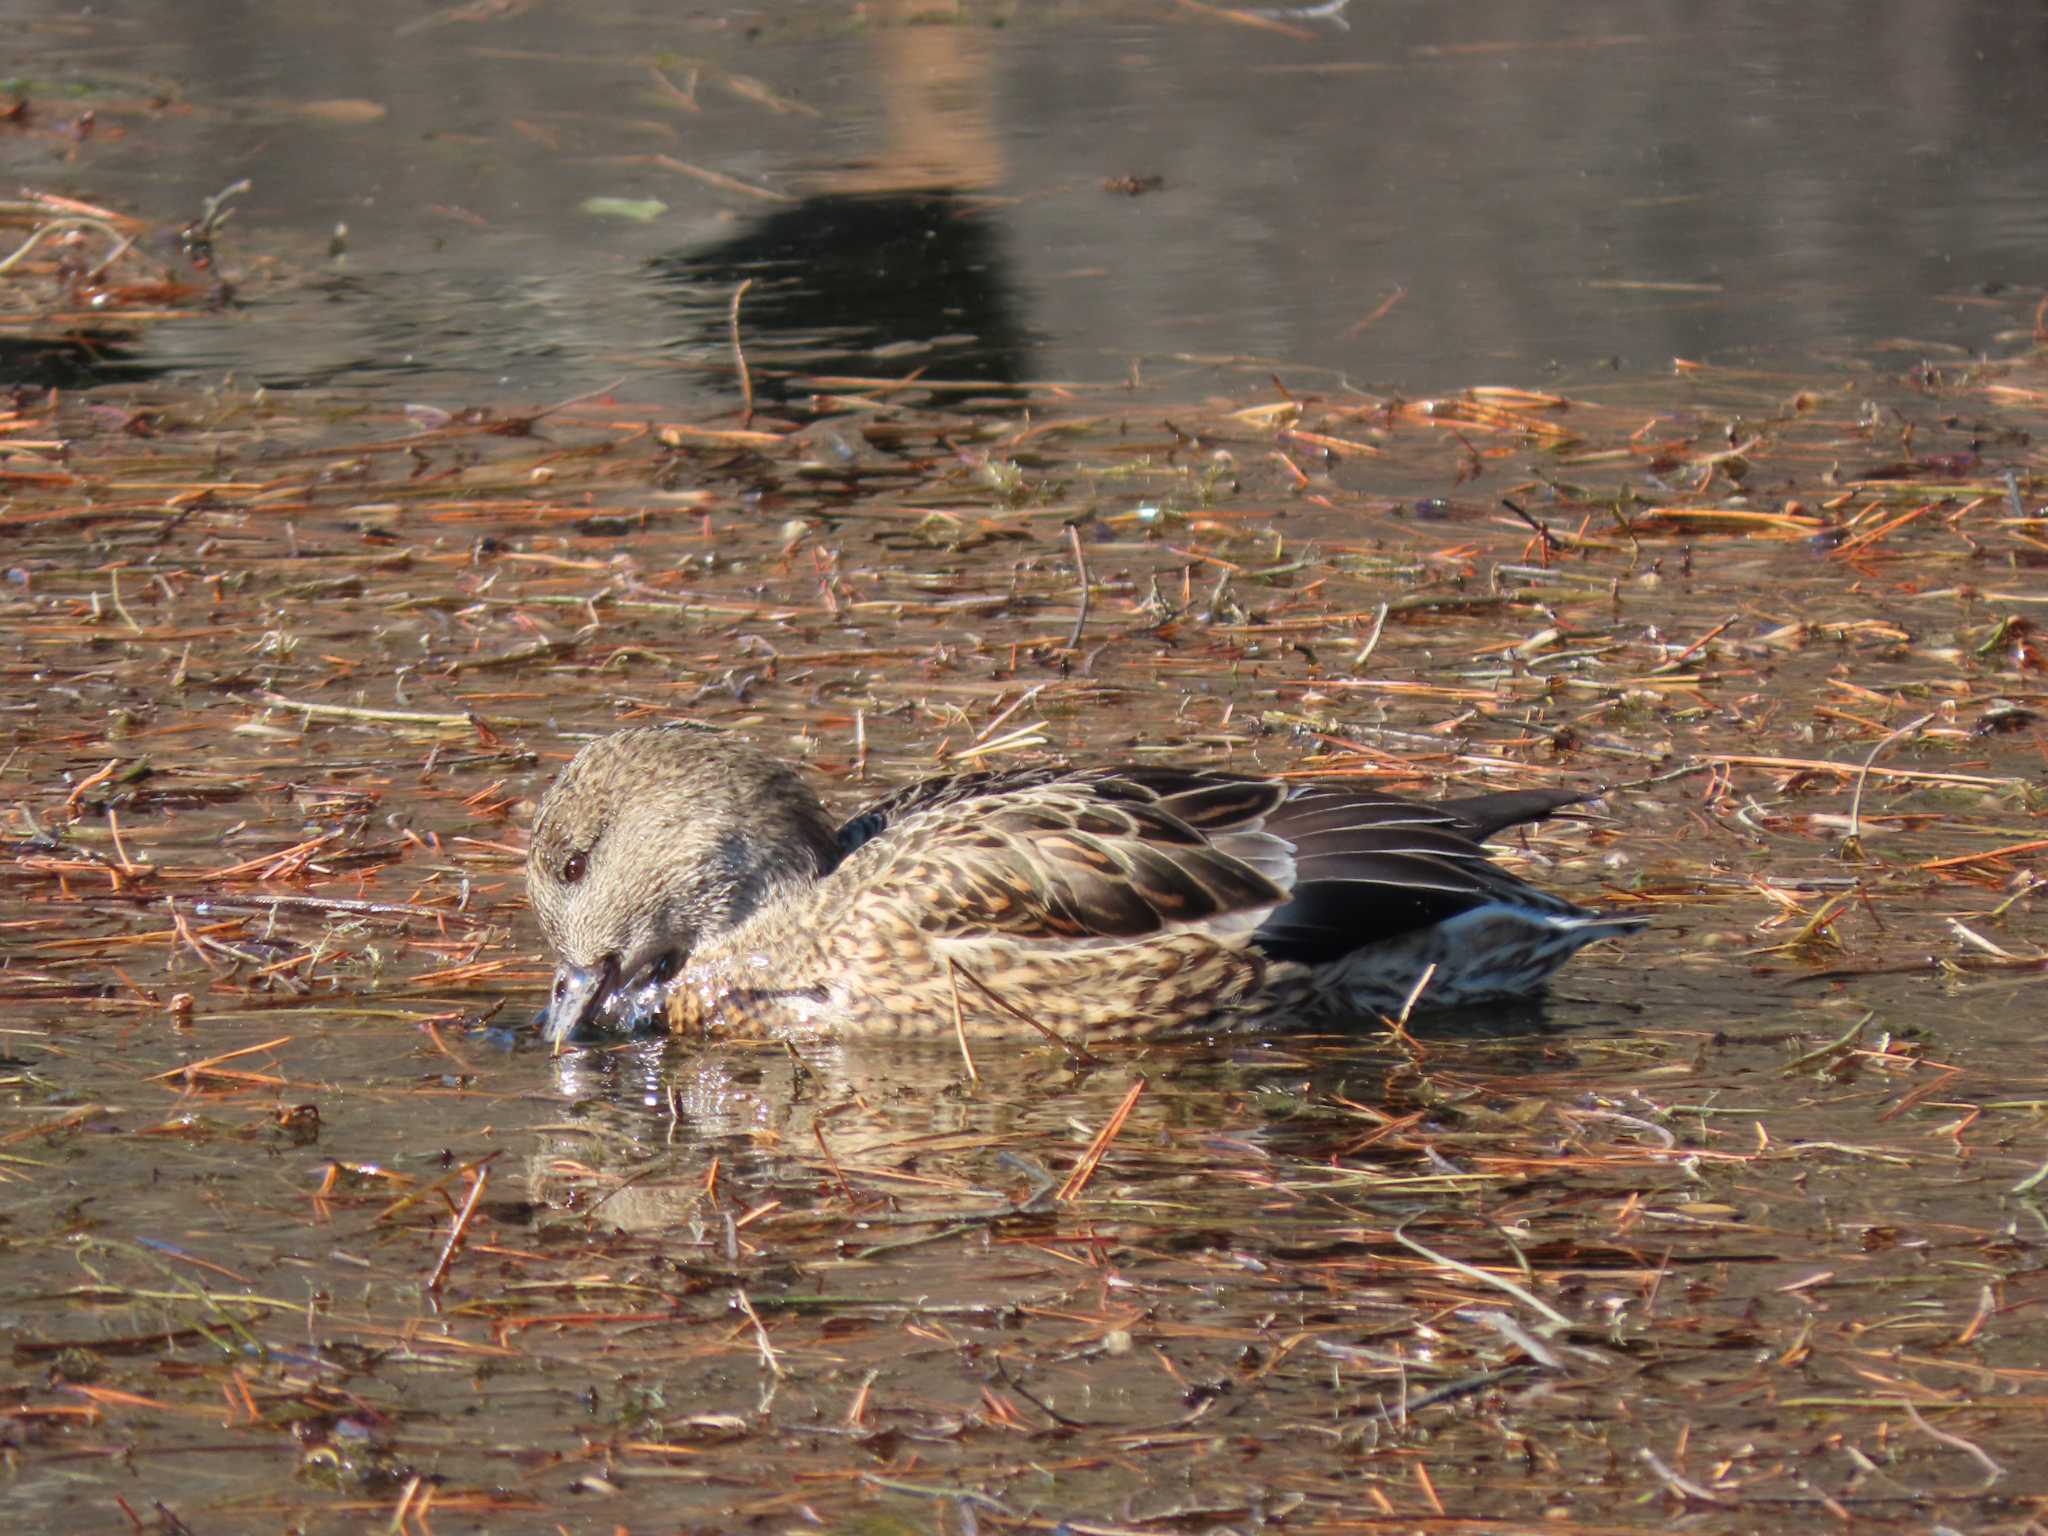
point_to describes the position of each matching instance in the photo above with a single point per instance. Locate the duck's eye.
(575, 867)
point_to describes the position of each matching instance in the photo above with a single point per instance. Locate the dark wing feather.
(1484, 815)
(1372, 867)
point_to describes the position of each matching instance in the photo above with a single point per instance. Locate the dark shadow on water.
(885, 284)
(1533, 1016)
(72, 363)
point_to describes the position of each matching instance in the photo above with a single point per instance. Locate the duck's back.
(1138, 900)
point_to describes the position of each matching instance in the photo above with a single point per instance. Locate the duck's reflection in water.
(668, 1134)
(661, 1132)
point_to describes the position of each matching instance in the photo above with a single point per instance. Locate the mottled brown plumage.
(682, 872)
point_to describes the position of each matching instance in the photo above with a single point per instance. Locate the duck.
(685, 879)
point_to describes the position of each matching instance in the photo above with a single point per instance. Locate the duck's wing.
(1370, 866)
(872, 820)
(1311, 871)
(1044, 854)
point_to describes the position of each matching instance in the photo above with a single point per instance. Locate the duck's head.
(649, 843)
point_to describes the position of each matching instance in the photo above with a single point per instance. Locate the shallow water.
(302, 1226)
(300, 1229)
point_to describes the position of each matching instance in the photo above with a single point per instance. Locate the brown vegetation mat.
(1740, 1231)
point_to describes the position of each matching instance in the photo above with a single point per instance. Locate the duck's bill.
(590, 1002)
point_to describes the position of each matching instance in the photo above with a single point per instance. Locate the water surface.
(1411, 196)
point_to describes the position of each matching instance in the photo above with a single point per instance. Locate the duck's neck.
(776, 867)
(773, 946)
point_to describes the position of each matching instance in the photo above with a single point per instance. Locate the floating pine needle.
(1085, 1169)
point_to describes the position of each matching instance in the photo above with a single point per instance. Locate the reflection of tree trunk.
(890, 251)
(938, 131)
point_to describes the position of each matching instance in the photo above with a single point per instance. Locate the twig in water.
(1398, 1023)
(831, 1161)
(1684, 1487)
(1085, 1169)
(1992, 1470)
(1021, 700)
(1372, 641)
(1081, 570)
(1852, 842)
(1549, 1313)
(1414, 993)
(120, 608)
(563, 405)
(959, 1025)
(768, 1354)
(128, 243)
(401, 1516)
(35, 238)
(1550, 540)
(1823, 1053)
(476, 1193)
(1077, 1052)
(739, 356)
